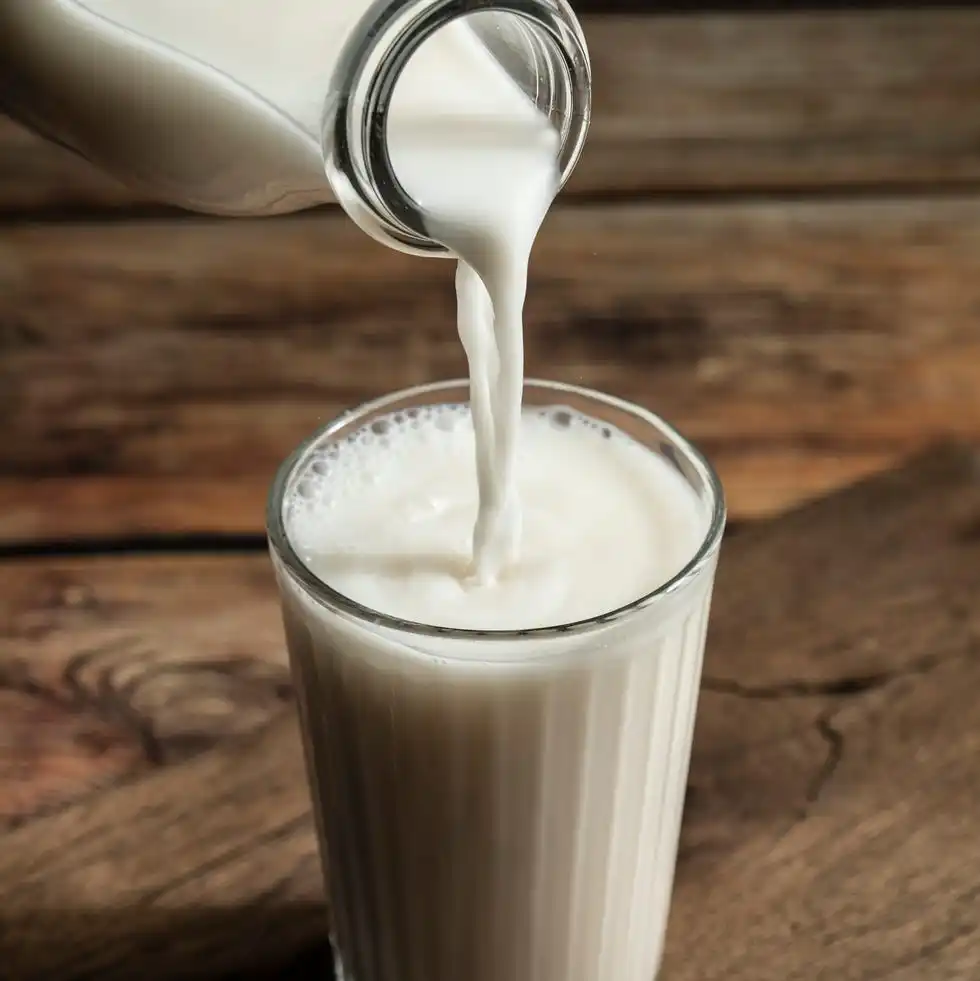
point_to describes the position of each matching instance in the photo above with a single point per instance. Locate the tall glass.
(503, 805)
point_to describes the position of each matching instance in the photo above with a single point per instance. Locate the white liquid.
(386, 519)
(218, 104)
(486, 188)
(284, 51)
(497, 810)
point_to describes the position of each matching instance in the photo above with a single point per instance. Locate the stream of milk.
(466, 143)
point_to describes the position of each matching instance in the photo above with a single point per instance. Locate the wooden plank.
(802, 344)
(111, 668)
(717, 102)
(112, 507)
(242, 811)
(735, 103)
(836, 756)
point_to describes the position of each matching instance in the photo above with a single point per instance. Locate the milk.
(219, 105)
(386, 517)
(500, 809)
(485, 187)
(285, 52)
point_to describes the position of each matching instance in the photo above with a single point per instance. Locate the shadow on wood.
(106, 889)
(174, 944)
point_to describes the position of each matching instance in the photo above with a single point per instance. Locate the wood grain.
(715, 102)
(830, 822)
(206, 867)
(111, 666)
(802, 344)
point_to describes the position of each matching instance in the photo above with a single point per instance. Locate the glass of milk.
(498, 769)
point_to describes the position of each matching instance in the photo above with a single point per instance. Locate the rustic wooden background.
(773, 239)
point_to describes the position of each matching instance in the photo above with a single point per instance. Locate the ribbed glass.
(500, 806)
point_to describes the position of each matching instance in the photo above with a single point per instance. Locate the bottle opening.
(419, 64)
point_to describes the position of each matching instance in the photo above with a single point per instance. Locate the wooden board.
(153, 375)
(717, 102)
(157, 819)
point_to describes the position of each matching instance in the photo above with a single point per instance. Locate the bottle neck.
(538, 43)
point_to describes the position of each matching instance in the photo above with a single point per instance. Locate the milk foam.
(385, 517)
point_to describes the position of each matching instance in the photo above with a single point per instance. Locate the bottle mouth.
(537, 43)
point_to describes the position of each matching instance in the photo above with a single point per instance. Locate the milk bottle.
(256, 107)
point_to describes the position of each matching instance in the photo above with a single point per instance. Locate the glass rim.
(325, 594)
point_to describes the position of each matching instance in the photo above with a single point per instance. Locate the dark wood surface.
(831, 822)
(802, 344)
(774, 239)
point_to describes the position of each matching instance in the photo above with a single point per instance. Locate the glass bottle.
(133, 86)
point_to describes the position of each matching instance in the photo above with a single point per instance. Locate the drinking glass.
(498, 805)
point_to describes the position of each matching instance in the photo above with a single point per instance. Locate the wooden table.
(774, 239)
